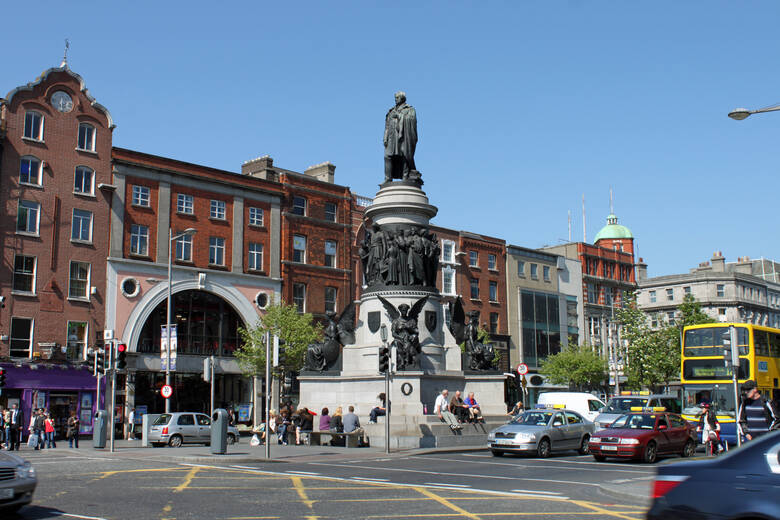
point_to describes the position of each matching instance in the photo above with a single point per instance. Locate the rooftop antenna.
(584, 229)
(611, 204)
(569, 225)
(64, 63)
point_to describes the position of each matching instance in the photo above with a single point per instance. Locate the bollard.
(219, 425)
(99, 429)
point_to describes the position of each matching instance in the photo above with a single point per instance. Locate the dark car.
(644, 436)
(17, 483)
(743, 484)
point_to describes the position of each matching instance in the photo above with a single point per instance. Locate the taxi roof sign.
(633, 392)
(549, 406)
(648, 408)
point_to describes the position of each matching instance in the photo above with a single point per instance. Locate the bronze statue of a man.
(400, 140)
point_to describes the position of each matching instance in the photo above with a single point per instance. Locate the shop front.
(59, 389)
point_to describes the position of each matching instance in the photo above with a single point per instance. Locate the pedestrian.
(48, 427)
(284, 426)
(709, 426)
(38, 428)
(474, 409)
(378, 411)
(441, 409)
(459, 408)
(2, 427)
(14, 433)
(304, 424)
(517, 409)
(131, 425)
(756, 417)
(72, 433)
(325, 420)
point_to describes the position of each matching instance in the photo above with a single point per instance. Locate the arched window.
(84, 182)
(30, 170)
(33, 125)
(86, 137)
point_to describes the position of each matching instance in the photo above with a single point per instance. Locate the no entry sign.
(522, 369)
(166, 391)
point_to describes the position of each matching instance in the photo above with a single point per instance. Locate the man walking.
(15, 428)
(131, 425)
(442, 410)
(37, 427)
(756, 417)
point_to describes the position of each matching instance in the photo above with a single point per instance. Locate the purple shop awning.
(45, 378)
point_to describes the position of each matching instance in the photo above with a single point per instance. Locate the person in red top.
(48, 428)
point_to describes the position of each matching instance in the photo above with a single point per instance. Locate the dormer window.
(86, 137)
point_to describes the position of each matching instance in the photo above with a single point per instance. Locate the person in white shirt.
(441, 409)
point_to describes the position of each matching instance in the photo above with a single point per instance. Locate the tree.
(297, 331)
(575, 366)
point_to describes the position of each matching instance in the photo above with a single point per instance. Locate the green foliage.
(483, 336)
(577, 366)
(654, 354)
(296, 330)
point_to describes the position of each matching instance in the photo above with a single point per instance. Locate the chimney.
(262, 167)
(744, 265)
(324, 172)
(641, 270)
(718, 262)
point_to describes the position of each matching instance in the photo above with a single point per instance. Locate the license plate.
(608, 448)
(6, 493)
(505, 442)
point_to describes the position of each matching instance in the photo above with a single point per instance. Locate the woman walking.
(73, 430)
(48, 429)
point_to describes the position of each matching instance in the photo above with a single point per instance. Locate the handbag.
(255, 440)
(33, 440)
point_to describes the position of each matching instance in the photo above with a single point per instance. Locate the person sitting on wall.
(441, 409)
(474, 409)
(517, 409)
(459, 408)
(378, 411)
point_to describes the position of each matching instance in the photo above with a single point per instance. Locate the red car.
(644, 436)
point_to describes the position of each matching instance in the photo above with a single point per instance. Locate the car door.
(662, 434)
(678, 430)
(575, 427)
(204, 427)
(185, 425)
(558, 432)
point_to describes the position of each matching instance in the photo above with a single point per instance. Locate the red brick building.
(55, 170)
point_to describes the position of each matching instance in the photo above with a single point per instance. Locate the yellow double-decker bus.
(706, 379)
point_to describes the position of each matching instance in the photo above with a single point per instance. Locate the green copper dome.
(613, 230)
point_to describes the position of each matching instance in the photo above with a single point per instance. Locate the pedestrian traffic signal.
(2, 377)
(101, 360)
(121, 356)
(384, 359)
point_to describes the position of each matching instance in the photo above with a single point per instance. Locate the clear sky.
(522, 107)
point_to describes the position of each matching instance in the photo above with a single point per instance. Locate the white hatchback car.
(175, 429)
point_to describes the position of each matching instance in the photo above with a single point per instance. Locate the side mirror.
(601, 410)
(662, 426)
(557, 423)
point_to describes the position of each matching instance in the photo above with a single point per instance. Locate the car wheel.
(689, 449)
(497, 453)
(175, 441)
(584, 445)
(231, 439)
(543, 449)
(599, 458)
(651, 453)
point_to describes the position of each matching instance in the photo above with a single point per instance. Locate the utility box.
(219, 426)
(99, 429)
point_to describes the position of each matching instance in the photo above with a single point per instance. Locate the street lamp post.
(743, 113)
(171, 238)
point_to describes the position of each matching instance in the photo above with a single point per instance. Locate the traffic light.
(727, 351)
(121, 356)
(2, 378)
(207, 369)
(102, 359)
(384, 359)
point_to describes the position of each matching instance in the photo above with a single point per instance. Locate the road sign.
(522, 369)
(108, 334)
(166, 391)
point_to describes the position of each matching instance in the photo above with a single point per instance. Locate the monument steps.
(429, 432)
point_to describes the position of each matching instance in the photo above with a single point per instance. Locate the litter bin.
(99, 429)
(219, 425)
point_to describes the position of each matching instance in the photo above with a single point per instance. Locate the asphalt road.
(474, 485)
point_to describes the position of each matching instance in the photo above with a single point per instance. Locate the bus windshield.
(720, 396)
(708, 341)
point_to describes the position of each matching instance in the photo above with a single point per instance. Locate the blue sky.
(523, 107)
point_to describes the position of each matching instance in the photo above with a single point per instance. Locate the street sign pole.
(113, 391)
(267, 395)
(734, 375)
(211, 368)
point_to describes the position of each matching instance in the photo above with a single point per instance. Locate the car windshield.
(720, 396)
(535, 418)
(634, 422)
(624, 404)
(162, 419)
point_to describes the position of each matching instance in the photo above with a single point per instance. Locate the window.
(494, 323)
(33, 126)
(492, 262)
(79, 280)
(687, 290)
(593, 295)
(217, 209)
(330, 253)
(21, 337)
(534, 271)
(670, 317)
(24, 274)
(670, 294)
(84, 183)
(608, 296)
(521, 268)
(28, 217)
(473, 259)
(86, 137)
(184, 204)
(184, 247)
(448, 251)
(330, 211)
(448, 280)
(330, 299)
(141, 196)
(573, 418)
(186, 420)
(721, 311)
(255, 216)
(299, 206)
(139, 240)
(256, 257)
(654, 321)
(216, 251)
(77, 340)
(493, 291)
(546, 272)
(81, 226)
(299, 296)
(474, 289)
(652, 297)
(721, 290)
(299, 248)
(30, 170)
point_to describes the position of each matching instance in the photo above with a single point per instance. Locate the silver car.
(175, 429)
(17, 483)
(542, 431)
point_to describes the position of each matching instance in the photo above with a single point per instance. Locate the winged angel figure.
(480, 355)
(406, 335)
(340, 331)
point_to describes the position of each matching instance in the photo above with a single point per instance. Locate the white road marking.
(601, 468)
(447, 485)
(535, 491)
(70, 515)
(243, 467)
(302, 473)
(370, 479)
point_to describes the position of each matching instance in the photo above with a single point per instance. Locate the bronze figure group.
(405, 256)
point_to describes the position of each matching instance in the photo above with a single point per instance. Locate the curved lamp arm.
(741, 113)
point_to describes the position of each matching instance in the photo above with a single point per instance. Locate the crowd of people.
(42, 429)
(290, 425)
